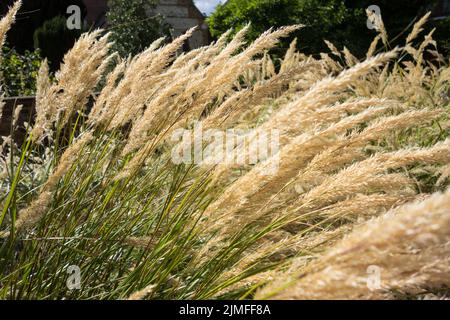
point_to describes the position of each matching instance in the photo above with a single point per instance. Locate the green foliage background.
(19, 71)
(341, 22)
(134, 30)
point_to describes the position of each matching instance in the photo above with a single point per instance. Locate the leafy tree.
(134, 25)
(341, 21)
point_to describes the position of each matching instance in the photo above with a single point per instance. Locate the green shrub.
(19, 72)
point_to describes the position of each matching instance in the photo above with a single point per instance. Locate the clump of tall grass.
(96, 187)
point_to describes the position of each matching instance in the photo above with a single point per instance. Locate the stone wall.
(96, 13)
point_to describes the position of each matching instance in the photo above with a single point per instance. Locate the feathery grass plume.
(373, 46)
(330, 114)
(75, 82)
(444, 175)
(268, 68)
(363, 175)
(184, 58)
(7, 21)
(75, 96)
(417, 28)
(327, 115)
(141, 294)
(383, 125)
(364, 206)
(240, 201)
(301, 217)
(443, 79)
(209, 51)
(428, 40)
(213, 50)
(223, 77)
(290, 57)
(233, 46)
(329, 64)
(247, 100)
(148, 70)
(333, 48)
(99, 113)
(43, 82)
(349, 149)
(278, 249)
(323, 92)
(382, 79)
(187, 107)
(145, 71)
(346, 151)
(354, 209)
(155, 118)
(30, 215)
(166, 54)
(43, 85)
(16, 115)
(350, 59)
(264, 42)
(409, 246)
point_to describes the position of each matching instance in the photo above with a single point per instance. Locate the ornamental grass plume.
(58, 102)
(364, 176)
(322, 93)
(417, 28)
(351, 148)
(147, 70)
(43, 84)
(408, 245)
(220, 77)
(141, 294)
(256, 184)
